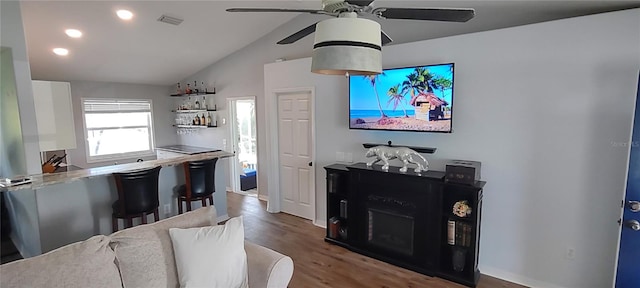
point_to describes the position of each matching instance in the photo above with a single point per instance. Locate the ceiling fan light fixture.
(347, 45)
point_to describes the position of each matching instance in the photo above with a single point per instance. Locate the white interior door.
(295, 154)
(233, 131)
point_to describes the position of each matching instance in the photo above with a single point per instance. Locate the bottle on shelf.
(209, 119)
(196, 121)
(188, 89)
(204, 88)
(197, 105)
(203, 122)
(195, 87)
(204, 103)
(178, 89)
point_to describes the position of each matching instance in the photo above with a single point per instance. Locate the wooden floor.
(320, 264)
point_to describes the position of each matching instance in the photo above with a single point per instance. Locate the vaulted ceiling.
(147, 51)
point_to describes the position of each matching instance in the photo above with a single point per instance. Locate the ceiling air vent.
(170, 20)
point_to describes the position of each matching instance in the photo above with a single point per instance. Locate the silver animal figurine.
(406, 155)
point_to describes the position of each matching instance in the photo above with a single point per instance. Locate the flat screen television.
(417, 98)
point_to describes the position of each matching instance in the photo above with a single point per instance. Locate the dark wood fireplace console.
(406, 219)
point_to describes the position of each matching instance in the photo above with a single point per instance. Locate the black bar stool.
(200, 183)
(137, 196)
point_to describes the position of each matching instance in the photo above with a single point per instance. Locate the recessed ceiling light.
(124, 14)
(61, 51)
(73, 33)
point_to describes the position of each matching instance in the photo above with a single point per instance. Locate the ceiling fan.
(353, 8)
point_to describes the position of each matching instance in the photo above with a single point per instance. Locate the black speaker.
(462, 171)
(334, 227)
(343, 209)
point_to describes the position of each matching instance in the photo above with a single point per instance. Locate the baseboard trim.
(223, 218)
(515, 278)
(320, 223)
(263, 197)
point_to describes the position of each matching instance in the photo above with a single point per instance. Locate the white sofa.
(141, 256)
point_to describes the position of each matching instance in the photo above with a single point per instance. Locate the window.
(117, 129)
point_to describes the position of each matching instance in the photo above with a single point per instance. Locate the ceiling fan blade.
(433, 14)
(359, 2)
(385, 38)
(312, 11)
(298, 35)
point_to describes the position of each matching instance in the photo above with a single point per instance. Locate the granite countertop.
(67, 168)
(41, 180)
(184, 149)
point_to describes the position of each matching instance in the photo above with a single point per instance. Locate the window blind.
(113, 105)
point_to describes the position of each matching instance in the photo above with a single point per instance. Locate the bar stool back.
(200, 183)
(137, 196)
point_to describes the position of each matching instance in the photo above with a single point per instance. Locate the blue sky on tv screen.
(363, 97)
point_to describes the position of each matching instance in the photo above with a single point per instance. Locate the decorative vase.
(458, 258)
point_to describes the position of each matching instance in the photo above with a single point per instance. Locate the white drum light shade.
(347, 45)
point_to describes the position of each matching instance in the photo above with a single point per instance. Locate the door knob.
(633, 224)
(634, 206)
(310, 164)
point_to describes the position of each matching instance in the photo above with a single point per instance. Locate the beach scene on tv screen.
(415, 99)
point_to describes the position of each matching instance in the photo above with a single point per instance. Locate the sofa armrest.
(267, 268)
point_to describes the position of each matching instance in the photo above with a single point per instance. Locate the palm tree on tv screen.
(396, 98)
(372, 79)
(426, 79)
(442, 84)
(412, 85)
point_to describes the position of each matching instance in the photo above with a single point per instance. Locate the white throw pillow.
(211, 256)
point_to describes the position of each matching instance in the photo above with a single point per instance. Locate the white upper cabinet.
(54, 115)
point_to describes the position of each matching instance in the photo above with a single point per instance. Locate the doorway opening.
(244, 137)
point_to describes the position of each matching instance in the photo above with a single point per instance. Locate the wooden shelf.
(455, 217)
(194, 110)
(193, 94)
(427, 150)
(194, 126)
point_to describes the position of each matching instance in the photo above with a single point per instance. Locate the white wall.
(163, 118)
(12, 36)
(329, 111)
(241, 74)
(12, 161)
(548, 110)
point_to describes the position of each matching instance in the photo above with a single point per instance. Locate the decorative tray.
(6, 182)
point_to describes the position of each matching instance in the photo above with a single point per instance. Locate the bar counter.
(61, 208)
(41, 180)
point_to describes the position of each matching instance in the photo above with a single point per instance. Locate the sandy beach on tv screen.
(401, 123)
